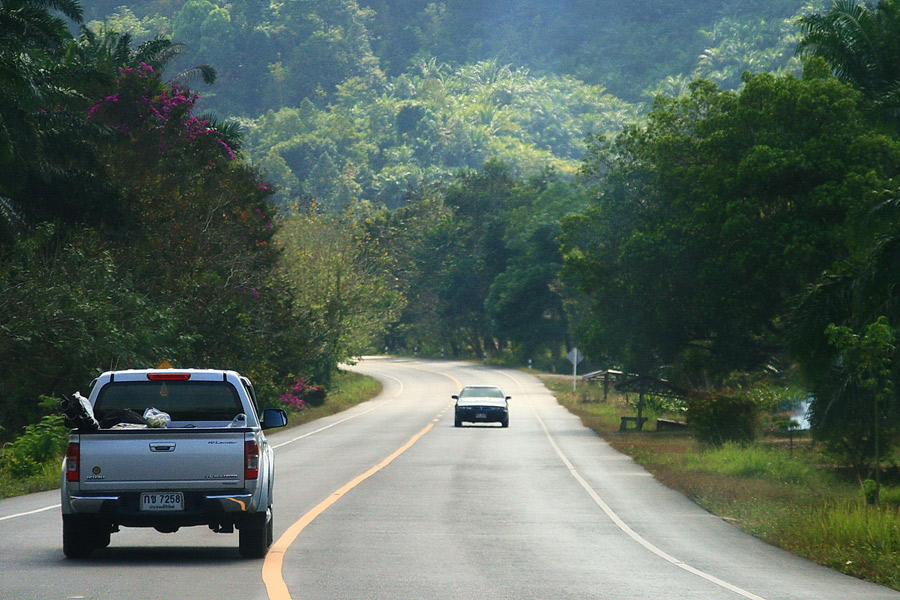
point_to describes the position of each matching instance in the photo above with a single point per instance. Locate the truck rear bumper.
(228, 503)
(200, 509)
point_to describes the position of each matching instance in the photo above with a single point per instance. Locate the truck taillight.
(73, 454)
(251, 460)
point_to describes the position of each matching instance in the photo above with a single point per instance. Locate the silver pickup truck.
(205, 461)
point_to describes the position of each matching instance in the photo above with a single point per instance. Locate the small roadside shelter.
(645, 385)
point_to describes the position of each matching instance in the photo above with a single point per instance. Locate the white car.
(482, 404)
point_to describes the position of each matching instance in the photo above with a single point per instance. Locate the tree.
(67, 310)
(861, 42)
(526, 302)
(341, 291)
(46, 161)
(866, 373)
(479, 265)
(841, 336)
(710, 218)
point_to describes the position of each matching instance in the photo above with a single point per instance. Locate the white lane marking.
(30, 512)
(618, 520)
(344, 420)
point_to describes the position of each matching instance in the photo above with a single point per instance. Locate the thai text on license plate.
(162, 501)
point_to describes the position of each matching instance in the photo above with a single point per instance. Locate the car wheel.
(457, 422)
(78, 537)
(254, 535)
(505, 422)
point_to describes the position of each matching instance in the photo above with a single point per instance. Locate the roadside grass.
(782, 490)
(47, 479)
(347, 390)
(860, 540)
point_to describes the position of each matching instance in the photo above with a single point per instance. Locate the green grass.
(860, 540)
(347, 390)
(47, 479)
(761, 462)
(780, 490)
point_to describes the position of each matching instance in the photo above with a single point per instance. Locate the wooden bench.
(670, 425)
(638, 423)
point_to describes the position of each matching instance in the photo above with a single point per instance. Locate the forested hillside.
(381, 97)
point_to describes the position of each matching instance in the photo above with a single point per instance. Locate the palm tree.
(110, 50)
(29, 23)
(861, 43)
(32, 40)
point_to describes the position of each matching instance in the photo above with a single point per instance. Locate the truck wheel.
(102, 537)
(254, 535)
(78, 537)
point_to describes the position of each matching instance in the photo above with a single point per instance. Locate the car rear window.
(481, 393)
(183, 400)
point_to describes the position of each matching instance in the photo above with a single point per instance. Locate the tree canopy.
(710, 218)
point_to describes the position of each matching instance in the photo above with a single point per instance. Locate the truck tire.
(78, 537)
(255, 535)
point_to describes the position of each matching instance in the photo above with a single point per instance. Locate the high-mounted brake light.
(251, 460)
(73, 455)
(168, 376)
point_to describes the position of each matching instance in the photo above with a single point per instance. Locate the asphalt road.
(390, 500)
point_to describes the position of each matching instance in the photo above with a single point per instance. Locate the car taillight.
(251, 460)
(168, 376)
(73, 454)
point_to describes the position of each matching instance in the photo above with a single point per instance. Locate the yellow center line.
(272, 567)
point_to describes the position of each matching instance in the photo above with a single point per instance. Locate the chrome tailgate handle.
(162, 446)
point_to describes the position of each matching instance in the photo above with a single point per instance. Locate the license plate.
(162, 501)
(481, 416)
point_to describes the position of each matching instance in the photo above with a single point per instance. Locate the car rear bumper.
(482, 415)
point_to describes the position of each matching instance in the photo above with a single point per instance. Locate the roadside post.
(575, 356)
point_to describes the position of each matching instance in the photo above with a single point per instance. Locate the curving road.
(390, 500)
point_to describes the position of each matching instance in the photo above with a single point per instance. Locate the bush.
(42, 442)
(717, 419)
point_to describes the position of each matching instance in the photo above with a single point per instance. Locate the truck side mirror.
(274, 417)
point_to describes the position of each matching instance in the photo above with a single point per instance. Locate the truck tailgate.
(207, 459)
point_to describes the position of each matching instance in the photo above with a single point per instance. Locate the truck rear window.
(183, 400)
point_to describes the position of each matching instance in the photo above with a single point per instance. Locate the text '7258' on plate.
(162, 501)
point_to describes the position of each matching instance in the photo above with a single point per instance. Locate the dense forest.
(702, 191)
(343, 99)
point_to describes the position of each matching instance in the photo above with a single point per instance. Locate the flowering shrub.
(303, 394)
(144, 103)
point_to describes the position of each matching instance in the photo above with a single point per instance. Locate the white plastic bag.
(156, 417)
